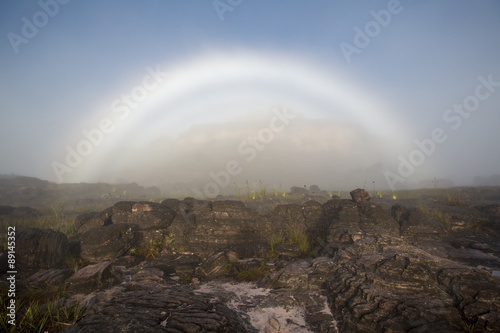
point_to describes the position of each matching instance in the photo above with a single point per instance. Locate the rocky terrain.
(316, 265)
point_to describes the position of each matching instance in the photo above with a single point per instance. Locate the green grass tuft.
(39, 310)
(297, 236)
(275, 238)
(253, 274)
(150, 250)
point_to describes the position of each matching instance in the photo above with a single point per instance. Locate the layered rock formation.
(339, 266)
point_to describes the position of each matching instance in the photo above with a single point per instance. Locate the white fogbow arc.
(238, 86)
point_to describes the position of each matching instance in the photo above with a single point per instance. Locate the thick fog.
(216, 97)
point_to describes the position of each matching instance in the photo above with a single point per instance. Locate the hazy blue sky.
(333, 92)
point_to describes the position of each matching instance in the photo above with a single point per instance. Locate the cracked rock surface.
(369, 268)
(149, 303)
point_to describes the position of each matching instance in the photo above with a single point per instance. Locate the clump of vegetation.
(234, 269)
(39, 310)
(153, 248)
(297, 236)
(150, 250)
(283, 198)
(253, 274)
(169, 240)
(230, 267)
(186, 279)
(470, 328)
(275, 238)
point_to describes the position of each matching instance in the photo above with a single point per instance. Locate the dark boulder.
(121, 212)
(92, 277)
(152, 219)
(48, 277)
(201, 208)
(86, 221)
(146, 215)
(108, 242)
(149, 215)
(173, 204)
(41, 248)
(359, 195)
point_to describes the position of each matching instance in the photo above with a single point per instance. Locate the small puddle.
(496, 273)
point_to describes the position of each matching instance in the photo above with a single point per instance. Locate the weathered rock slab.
(41, 248)
(152, 306)
(86, 221)
(92, 277)
(146, 215)
(382, 283)
(107, 243)
(48, 277)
